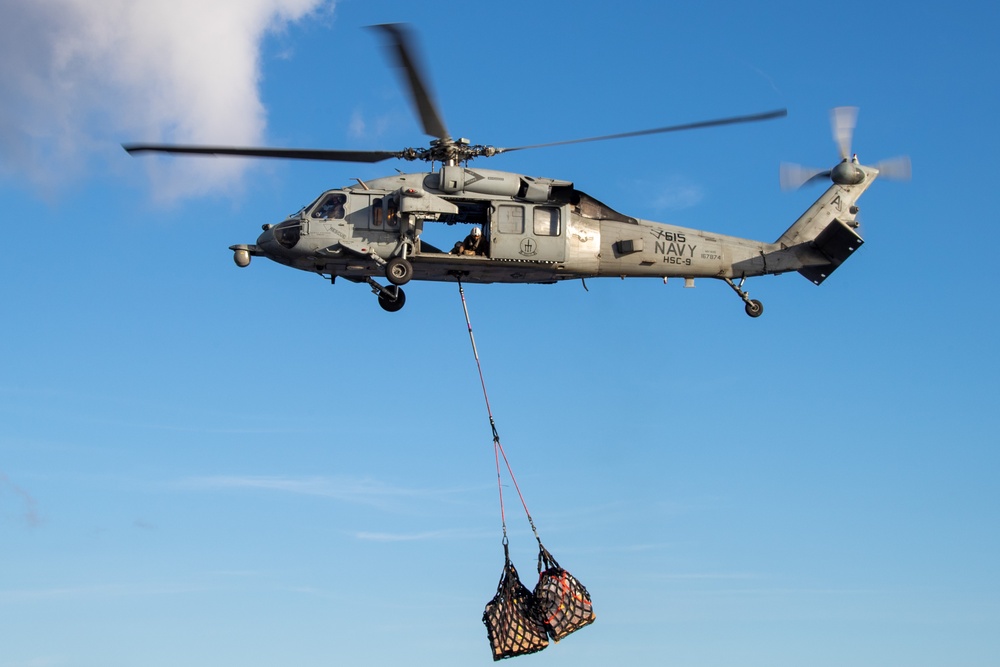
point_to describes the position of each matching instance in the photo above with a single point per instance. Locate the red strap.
(498, 450)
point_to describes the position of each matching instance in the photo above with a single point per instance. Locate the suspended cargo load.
(519, 621)
(512, 625)
(562, 603)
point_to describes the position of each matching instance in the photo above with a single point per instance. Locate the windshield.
(305, 208)
(332, 206)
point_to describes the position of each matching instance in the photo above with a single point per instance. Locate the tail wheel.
(399, 271)
(754, 308)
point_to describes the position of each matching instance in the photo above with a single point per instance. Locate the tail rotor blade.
(895, 169)
(794, 176)
(844, 120)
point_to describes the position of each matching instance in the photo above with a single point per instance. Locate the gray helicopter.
(528, 229)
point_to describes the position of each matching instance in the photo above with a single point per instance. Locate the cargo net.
(511, 623)
(519, 622)
(561, 602)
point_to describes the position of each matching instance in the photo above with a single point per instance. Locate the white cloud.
(360, 490)
(77, 77)
(421, 537)
(366, 126)
(665, 193)
(358, 126)
(675, 195)
(94, 591)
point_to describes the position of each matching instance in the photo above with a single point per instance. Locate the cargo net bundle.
(561, 601)
(519, 621)
(512, 624)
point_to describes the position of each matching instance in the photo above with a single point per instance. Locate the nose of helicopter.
(283, 236)
(273, 242)
(266, 239)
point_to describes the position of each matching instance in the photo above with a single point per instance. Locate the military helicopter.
(533, 230)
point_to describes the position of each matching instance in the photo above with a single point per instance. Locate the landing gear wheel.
(391, 299)
(754, 307)
(398, 270)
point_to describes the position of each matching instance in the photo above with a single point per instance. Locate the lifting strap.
(498, 450)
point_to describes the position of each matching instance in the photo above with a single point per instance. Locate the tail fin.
(825, 235)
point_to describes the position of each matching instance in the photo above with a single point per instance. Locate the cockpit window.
(332, 207)
(302, 211)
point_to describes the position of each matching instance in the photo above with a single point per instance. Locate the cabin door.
(528, 232)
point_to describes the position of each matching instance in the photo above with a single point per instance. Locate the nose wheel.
(391, 298)
(754, 308)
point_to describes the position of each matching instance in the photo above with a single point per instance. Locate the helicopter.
(533, 229)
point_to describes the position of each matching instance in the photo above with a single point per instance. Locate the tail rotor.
(843, 121)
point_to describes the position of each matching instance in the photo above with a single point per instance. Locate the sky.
(207, 465)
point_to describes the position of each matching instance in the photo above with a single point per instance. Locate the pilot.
(332, 208)
(474, 244)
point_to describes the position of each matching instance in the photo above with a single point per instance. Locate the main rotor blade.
(287, 153)
(406, 57)
(670, 128)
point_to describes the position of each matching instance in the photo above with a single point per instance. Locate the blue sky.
(204, 465)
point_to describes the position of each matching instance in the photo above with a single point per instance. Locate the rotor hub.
(847, 172)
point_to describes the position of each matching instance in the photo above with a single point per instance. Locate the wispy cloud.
(424, 536)
(26, 507)
(667, 193)
(370, 127)
(78, 76)
(359, 490)
(358, 127)
(685, 576)
(42, 403)
(95, 591)
(675, 195)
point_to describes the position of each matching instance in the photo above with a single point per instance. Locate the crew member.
(474, 244)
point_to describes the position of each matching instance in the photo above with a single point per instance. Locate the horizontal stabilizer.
(836, 243)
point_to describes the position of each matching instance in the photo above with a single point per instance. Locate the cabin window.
(510, 219)
(546, 222)
(392, 212)
(332, 207)
(377, 212)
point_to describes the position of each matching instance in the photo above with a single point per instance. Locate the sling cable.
(519, 621)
